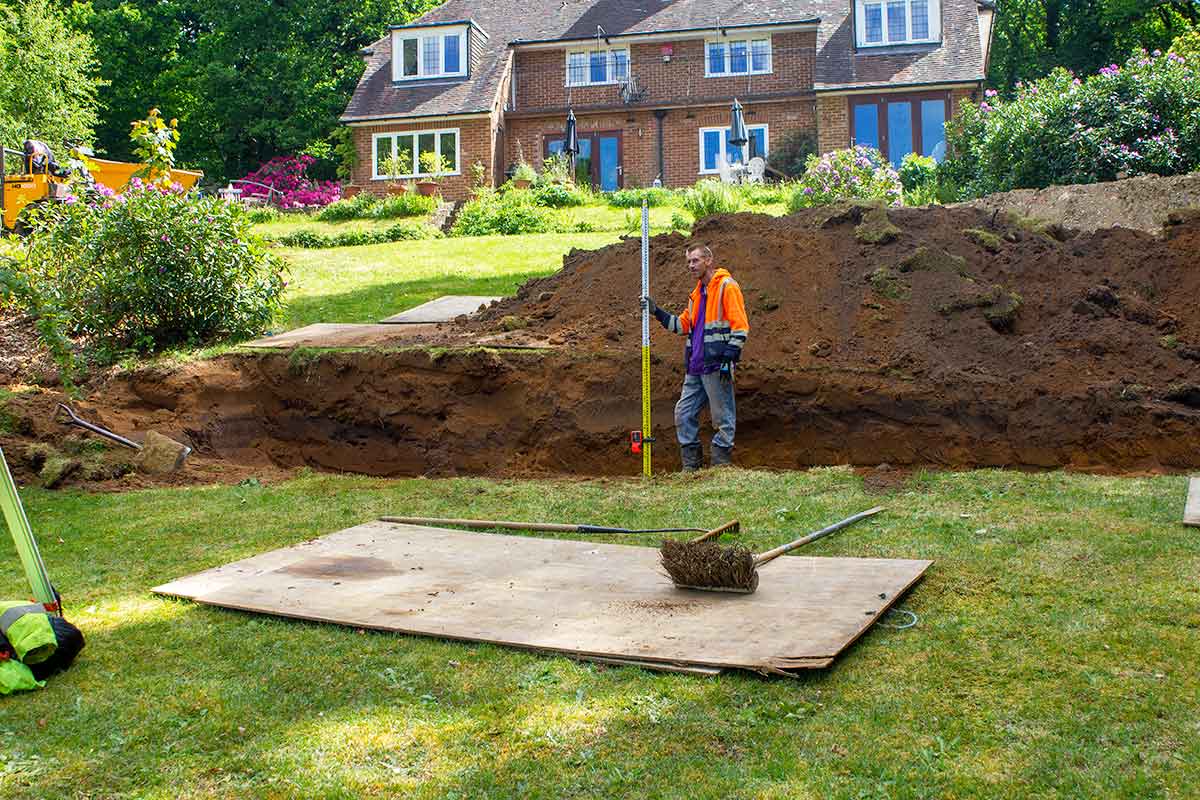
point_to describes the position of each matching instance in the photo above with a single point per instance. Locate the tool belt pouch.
(28, 631)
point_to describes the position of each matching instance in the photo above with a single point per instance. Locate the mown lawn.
(1055, 655)
(367, 283)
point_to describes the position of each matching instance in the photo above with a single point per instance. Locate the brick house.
(487, 84)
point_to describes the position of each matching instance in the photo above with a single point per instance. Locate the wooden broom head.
(709, 566)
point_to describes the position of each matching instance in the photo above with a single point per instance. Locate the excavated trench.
(948, 337)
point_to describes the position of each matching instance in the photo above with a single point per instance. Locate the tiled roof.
(508, 21)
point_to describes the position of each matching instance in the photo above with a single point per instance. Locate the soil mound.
(1143, 203)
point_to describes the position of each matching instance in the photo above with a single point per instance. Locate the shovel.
(182, 452)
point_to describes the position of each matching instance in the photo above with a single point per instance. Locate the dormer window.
(438, 52)
(889, 22)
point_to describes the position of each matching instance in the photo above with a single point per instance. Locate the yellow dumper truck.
(39, 178)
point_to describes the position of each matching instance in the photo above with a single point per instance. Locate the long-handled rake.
(703, 564)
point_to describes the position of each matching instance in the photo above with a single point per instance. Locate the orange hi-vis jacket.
(725, 322)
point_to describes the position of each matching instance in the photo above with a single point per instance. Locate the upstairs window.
(737, 57)
(430, 54)
(597, 67)
(883, 22)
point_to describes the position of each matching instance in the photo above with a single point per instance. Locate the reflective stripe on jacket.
(725, 322)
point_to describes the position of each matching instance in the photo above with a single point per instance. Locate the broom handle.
(733, 525)
(771, 555)
(550, 527)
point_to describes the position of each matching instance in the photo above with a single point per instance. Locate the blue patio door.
(598, 162)
(897, 125)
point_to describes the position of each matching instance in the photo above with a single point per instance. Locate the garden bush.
(764, 194)
(358, 207)
(398, 232)
(505, 213)
(1139, 118)
(557, 195)
(918, 177)
(632, 198)
(151, 269)
(791, 153)
(286, 174)
(710, 197)
(856, 173)
(409, 204)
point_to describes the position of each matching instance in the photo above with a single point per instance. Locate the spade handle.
(732, 525)
(771, 555)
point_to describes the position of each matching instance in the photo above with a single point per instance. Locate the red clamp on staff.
(636, 440)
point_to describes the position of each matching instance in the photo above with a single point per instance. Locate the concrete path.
(443, 309)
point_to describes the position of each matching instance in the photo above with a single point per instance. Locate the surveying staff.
(715, 325)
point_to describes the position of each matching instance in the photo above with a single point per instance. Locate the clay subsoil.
(957, 338)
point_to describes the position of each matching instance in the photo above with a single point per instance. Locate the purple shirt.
(696, 362)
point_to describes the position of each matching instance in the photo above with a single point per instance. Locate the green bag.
(28, 630)
(16, 677)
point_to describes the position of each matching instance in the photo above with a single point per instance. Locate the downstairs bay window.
(409, 147)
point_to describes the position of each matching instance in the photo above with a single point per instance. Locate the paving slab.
(444, 309)
(1191, 512)
(338, 334)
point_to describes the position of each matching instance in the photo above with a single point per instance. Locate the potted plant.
(523, 176)
(434, 167)
(394, 168)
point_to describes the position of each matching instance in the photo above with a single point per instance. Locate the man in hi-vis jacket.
(715, 325)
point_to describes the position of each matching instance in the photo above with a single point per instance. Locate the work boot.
(722, 456)
(692, 456)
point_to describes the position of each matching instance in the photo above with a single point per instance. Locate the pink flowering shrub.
(287, 175)
(856, 173)
(1138, 118)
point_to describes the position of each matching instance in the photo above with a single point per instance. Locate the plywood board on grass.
(1191, 512)
(581, 599)
(446, 308)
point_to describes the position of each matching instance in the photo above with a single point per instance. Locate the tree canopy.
(1032, 37)
(247, 80)
(48, 83)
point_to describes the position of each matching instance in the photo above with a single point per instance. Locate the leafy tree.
(1033, 37)
(48, 80)
(247, 81)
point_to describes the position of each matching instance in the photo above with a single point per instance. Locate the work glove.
(648, 304)
(729, 357)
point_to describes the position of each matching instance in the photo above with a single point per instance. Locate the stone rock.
(160, 454)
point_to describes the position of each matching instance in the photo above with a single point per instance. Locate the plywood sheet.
(444, 309)
(1191, 512)
(576, 598)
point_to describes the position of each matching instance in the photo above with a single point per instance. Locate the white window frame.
(416, 173)
(609, 63)
(750, 70)
(723, 153)
(426, 71)
(860, 23)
